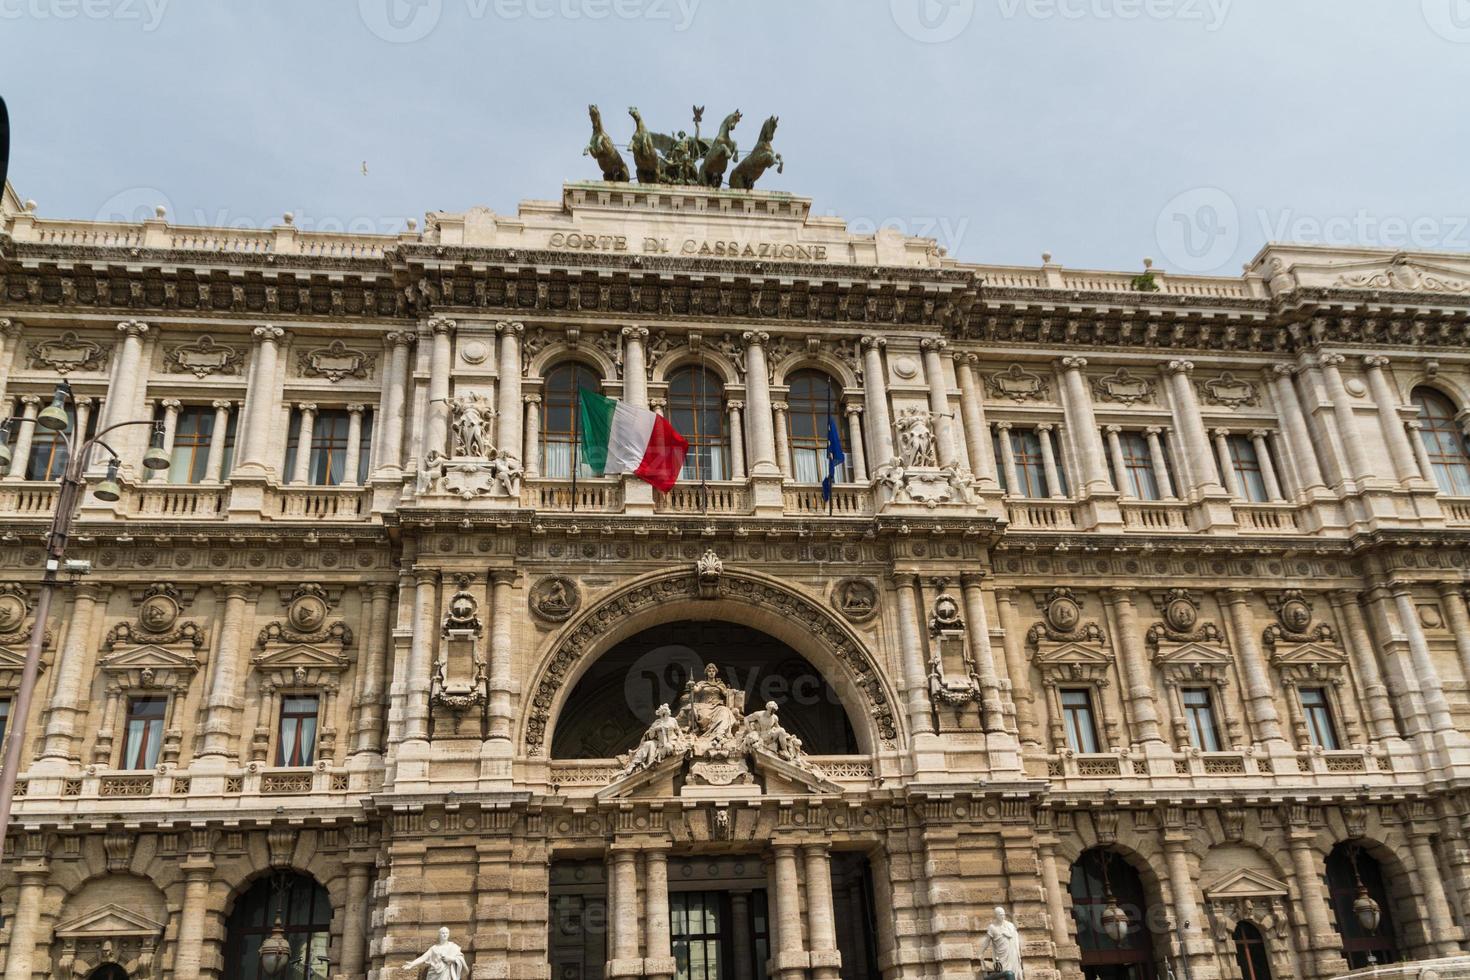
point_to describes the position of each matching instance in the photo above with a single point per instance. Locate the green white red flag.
(622, 438)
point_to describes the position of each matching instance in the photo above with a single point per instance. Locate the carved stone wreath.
(68, 353)
(202, 358)
(576, 644)
(555, 599)
(335, 362)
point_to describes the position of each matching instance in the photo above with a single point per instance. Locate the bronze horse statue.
(646, 159)
(721, 153)
(603, 151)
(758, 160)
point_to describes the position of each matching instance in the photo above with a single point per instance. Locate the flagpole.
(576, 445)
(831, 467)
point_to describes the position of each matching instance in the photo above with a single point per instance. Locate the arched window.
(305, 914)
(812, 398)
(561, 420)
(697, 410)
(1101, 879)
(1250, 953)
(1443, 441)
(1352, 871)
(108, 971)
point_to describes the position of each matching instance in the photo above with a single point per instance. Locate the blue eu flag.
(835, 458)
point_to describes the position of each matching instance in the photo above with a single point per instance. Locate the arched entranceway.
(303, 910)
(1353, 872)
(1104, 881)
(108, 971)
(613, 702)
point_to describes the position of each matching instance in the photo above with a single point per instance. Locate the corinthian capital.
(441, 324)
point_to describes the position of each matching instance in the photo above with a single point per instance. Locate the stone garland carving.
(1229, 391)
(555, 599)
(202, 358)
(461, 626)
(306, 620)
(14, 604)
(68, 353)
(1017, 384)
(1403, 276)
(589, 633)
(335, 362)
(1062, 620)
(856, 599)
(1294, 622)
(1123, 387)
(158, 622)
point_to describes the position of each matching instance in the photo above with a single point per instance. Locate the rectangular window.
(144, 732)
(998, 455)
(1247, 467)
(327, 464)
(193, 437)
(1077, 719)
(1030, 460)
(694, 921)
(296, 745)
(1320, 728)
(1199, 710)
(1138, 478)
(47, 460)
(4, 719)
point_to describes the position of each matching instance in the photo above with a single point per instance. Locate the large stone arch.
(764, 603)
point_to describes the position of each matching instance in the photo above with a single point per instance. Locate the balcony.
(179, 501)
(1154, 515)
(846, 501)
(1026, 514)
(597, 495)
(1456, 510)
(712, 498)
(1266, 518)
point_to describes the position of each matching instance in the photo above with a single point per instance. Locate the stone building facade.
(1139, 604)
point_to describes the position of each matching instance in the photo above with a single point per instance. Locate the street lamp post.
(54, 418)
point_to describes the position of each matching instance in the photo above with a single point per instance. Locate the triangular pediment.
(1071, 653)
(109, 921)
(14, 659)
(782, 777)
(1244, 883)
(655, 781)
(1190, 652)
(181, 657)
(1311, 652)
(291, 656)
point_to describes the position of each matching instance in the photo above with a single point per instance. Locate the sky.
(1101, 131)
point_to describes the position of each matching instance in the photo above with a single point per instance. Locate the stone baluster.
(256, 453)
(1267, 464)
(1054, 487)
(1421, 451)
(1191, 427)
(875, 401)
(992, 710)
(938, 386)
(1360, 466)
(502, 652)
(68, 695)
(1298, 438)
(25, 434)
(855, 454)
(1405, 466)
(171, 407)
(1365, 664)
(1083, 423)
(635, 366)
(783, 439)
(977, 430)
(1137, 673)
(508, 427)
(305, 433)
(214, 465)
(352, 464)
(1018, 667)
(788, 960)
(1120, 466)
(421, 653)
(762, 450)
(1227, 468)
(1159, 461)
(394, 405)
(737, 439)
(532, 461)
(1008, 460)
(658, 963)
(915, 675)
(822, 930)
(223, 704)
(1260, 702)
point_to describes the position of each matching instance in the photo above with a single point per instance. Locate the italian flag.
(622, 438)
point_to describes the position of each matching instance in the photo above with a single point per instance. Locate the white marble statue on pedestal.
(1004, 942)
(444, 959)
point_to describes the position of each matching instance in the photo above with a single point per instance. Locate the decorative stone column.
(353, 461)
(1365, 663)
(977, 430)
(1083, 422)
(992, 710)
(501, 652)
(1267, 464)
(916, 677)
(222, 706)
(21, 451)
(508, 424)
(1181, 885)
(1392, 644)
(354, 939)
(1303, 450)
(788, 960)
(67, 705)
(1405, 466)
(83, 408)
(938, 386)
(214, 465)
(622, 913)
(436, 415)
(532, 461)
(1323, 941)
(1421, 452)
(758, 397)
(1008, 460)
(305, 432)
(1120, 467)
(123, 389)
(1191, 428)
(740, 926)
(658, 963)
(825, 959)
(1260, 704)
(783, 439)
(1435, 705)
(171, 407)
(1049, 462)
(394, 405)
(635, 366)
(1453, 596)
(875, 401)
(256, 454)
(25, 922)
(189, 951)
(855, 454)
(737, 440)
(1227, 471)
(1442, 932)
(1137, 674)
(421, 653)
(1158, 460)
(1360, 467)
(1018, 667)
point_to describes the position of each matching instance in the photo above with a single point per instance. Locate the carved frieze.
(202, 358)
(335, 362)
(1404, 276)
(68, 353)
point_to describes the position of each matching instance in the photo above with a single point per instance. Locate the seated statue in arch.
(711, 709)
